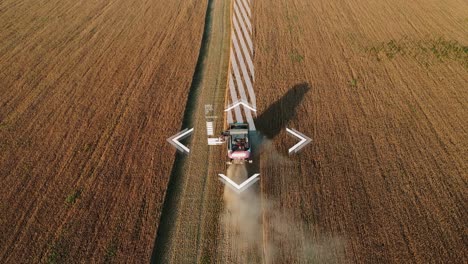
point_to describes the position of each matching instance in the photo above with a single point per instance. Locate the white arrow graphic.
(174, 140)
(239, 188)
(241, 102)
(304, 141)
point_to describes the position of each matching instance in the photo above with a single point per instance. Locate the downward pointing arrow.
(243, 186)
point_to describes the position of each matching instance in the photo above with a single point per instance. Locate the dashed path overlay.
(241, 69)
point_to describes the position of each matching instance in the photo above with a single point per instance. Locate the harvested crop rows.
(89, 92)
(380, 87)
(384, 179)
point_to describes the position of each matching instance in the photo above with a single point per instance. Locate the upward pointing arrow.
(243, 103)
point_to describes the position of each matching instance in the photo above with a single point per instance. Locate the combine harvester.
(238, 143)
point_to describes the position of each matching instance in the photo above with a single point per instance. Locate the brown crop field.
(381, 88)
(89, 91)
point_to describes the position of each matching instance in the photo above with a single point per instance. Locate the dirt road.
(191, 208)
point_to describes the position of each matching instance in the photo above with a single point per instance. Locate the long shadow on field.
(276, 116)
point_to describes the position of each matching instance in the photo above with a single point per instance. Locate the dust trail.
(289, 240)
(242, 217)
(262, 231)
(272, 157)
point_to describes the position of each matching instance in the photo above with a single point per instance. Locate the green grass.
(111, 252)
(52, 258)
(71, 198)
(426, 51)
(88, 148)
(292, 21)
(296, 57)
(57, 253)
(205, 259)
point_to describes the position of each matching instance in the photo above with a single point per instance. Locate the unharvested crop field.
(89, 91)
(381, 88)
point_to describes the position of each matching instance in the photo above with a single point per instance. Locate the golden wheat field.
(381, 88)
(91, 90)
(88, 92)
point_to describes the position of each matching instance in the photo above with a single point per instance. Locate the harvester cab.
(238, 143)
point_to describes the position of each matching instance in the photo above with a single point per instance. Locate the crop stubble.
(385, 177)
(84, 115)
(88, 93)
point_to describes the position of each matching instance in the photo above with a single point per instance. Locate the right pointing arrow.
(239, 187)
(304, 140)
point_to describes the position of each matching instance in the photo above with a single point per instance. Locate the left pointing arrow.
(174, 140)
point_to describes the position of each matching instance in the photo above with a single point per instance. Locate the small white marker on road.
(214, 141)
(209, 128)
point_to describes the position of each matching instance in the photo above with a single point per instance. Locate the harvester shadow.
(274, 119)
(270, 123)
(276, 116)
